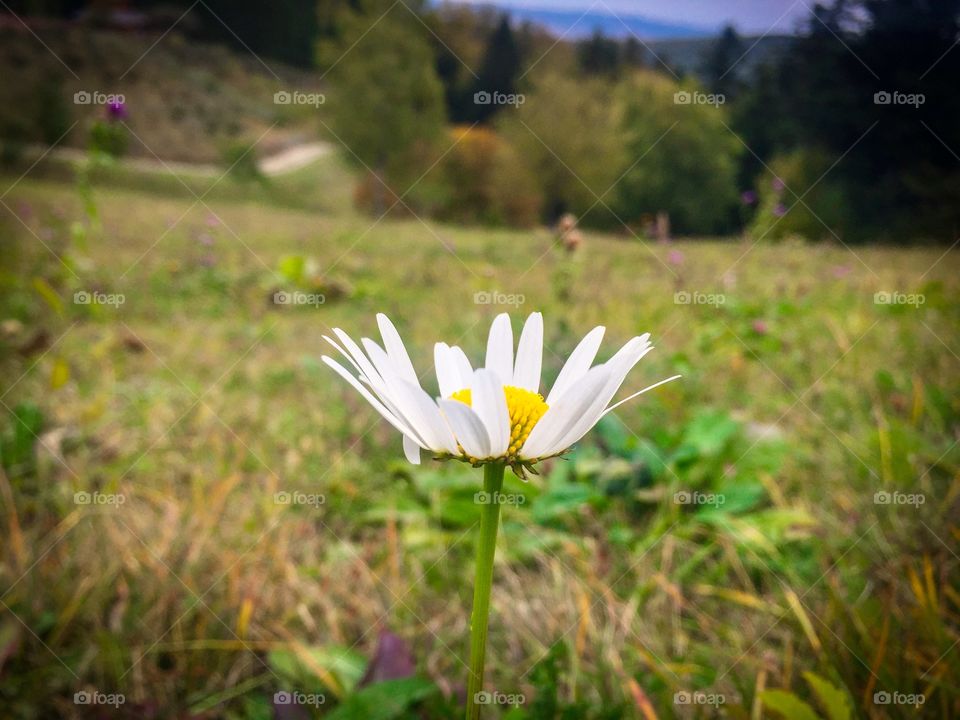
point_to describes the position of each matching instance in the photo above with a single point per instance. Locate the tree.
(567, 133)
(499, 70)
(719, 69)
(681, 158)
(386, 100)
(599, 55)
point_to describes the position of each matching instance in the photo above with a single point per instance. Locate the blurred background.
(199, 520)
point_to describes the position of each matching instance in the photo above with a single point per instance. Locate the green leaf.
(49, 295)
(833, 699)
(788, 705)
(385, 700)
(319, 666)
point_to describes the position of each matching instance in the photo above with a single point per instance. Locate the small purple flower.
(780, 210)
(748, 197)
(675, 257)
(205, 239)
(778, 184)
(212, 220)
(760, 327)
(116, 110)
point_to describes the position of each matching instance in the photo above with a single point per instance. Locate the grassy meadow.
(197, 513)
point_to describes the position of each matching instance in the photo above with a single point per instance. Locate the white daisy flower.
(494, 413)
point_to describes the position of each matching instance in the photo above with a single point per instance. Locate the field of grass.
(195, 409)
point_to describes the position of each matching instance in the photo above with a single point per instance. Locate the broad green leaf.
(788, 705)
(833, 699)
(385, 700)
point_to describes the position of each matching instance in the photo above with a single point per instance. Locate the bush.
(780, 211)
(487, 181)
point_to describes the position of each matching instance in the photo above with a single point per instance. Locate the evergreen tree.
(498, 72)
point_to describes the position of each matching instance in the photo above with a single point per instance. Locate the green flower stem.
(483, 583)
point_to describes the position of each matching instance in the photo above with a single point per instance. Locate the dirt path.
(288, 160)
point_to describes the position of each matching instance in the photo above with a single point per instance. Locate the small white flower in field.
(495, 413)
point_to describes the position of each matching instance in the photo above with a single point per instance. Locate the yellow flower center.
(525, 409)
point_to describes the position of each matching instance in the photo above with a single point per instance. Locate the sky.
(752, 16)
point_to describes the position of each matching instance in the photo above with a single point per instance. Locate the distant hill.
(573, 24)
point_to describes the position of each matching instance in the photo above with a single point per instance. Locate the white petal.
(638, 394)
(448, 376)
(358, 356)
(577, 364)
(397, 422)
(411, 402)
(547, 435)
(526, 372)
(464, 369)
(500, 349)
(396, 350)
(411, 450)
(490, 403)
(618, 366)
(468, 428)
